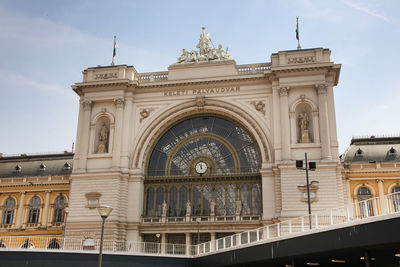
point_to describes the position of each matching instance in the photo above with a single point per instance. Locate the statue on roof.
(207, 51)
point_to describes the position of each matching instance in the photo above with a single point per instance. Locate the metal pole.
(101, 241)
(308, 191)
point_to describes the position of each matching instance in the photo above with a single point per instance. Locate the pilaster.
(84, 141)
(119, 104)
(324, 122)
(285, 126)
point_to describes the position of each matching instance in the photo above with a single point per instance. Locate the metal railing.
(383, 205)
(377, 206)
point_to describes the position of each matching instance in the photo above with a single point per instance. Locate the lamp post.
(104, 212)
(309, 166)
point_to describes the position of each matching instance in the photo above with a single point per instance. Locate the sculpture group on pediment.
(207, 51)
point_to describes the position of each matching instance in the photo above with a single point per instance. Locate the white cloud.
(366, 10)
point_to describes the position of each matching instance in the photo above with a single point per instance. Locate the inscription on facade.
(203, 91)
(300, 60)
(105, 76)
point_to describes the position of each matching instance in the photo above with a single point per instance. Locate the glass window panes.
(218, 139)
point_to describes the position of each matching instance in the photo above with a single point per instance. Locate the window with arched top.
(205, 160)
(8, 213)
(365, 203)
(34, 210)
(59, 209)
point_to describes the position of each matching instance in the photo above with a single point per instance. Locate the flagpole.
(114, 51)
(297, 33)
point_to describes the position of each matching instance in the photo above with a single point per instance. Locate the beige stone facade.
(282, 108)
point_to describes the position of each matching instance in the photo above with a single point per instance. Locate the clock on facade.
(201, 167)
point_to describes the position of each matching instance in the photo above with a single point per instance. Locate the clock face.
(201, 167)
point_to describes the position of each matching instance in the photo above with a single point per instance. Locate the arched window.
(396, 198)
(59, 209)
(53, 244)
(159, 200)
(8, 213)
(204, 160)
(150, 202)
(196, 201)
(231, 200)
(364, 202)
(173, 202)
(246, 199)
(34, 209)
(220, 200)
(27, 244)
(182, 201)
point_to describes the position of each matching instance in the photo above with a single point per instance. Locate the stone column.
(78, 142)
(20, 213)
(46, 209)
(116, 155)
(188, 243)
(84, 140)
(324, 122)
(381, 197)
(212, 248)
(285, 126)
(126, 133)
(163, 243)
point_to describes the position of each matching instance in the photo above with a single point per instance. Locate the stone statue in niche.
(103, 139)
(164, 209)
(212, 207)
(188, 208)
(238, 207)
(303, 121)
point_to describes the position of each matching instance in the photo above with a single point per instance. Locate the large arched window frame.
(231, 184)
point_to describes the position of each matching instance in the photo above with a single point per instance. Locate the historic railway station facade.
(205, 149)
(200, 151)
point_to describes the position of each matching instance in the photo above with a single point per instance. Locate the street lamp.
(159, 243)
(104, 212)
(309, 166)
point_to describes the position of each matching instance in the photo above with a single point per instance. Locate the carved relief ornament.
(200, 101)
(119, 102)
(259, 106)
(283, 91)
(145, 113)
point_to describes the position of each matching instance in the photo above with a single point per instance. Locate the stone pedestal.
(305, 137)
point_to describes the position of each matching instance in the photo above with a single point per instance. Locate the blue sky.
(45, 46)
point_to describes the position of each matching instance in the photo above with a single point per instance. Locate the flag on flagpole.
(114, 51)
(297, 34)
(115, 47)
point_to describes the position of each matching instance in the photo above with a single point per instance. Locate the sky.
(45, 46)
